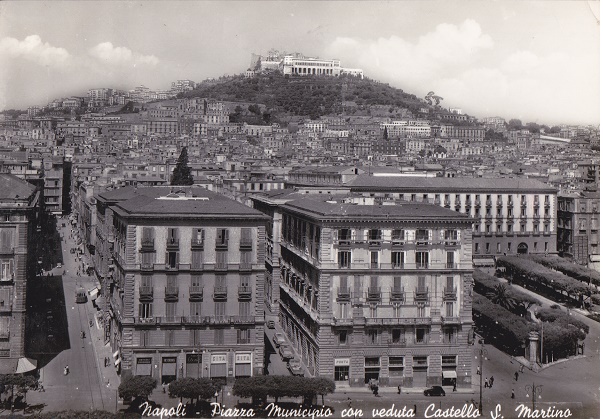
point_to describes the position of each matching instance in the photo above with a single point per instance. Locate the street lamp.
(482, 352)
(534, 389)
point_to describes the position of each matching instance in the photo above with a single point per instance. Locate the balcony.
(499, 204)
(397, 294)
(145, 320)
(450, 293)
(374, 265)
(171, 293)
(195, 320)
(244, 293)
(169, 320)
(7, 250)
(393, 265)
(447, 203)
(344, 242)
(196, 293)
(396, 342)
(245, 244)
(451, 243)
(422, 265)
(524, 204)
(488, 203)
(397, 243)
(242, 319)
(343, 294)
(145, 292)
(219, 319)
(221, 245)
(375, 243)
(451, 320)
(197, 244)
(245, 266)
(147, 244)
(221, 266)
(172, 243)
(146, 266)
(373, 294)
(421, 294)
(171, 268)
(220, 292)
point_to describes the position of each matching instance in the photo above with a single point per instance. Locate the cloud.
(33, 49)
(462, 64)
(114, 55)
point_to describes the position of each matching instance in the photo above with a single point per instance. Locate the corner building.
(378, 291)
(185, 283)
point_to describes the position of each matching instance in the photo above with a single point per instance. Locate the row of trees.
(581, 273)
(512, 299)
(277, 386)
(544, 279)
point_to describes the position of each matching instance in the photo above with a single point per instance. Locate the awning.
(93, 293)
(117, 361)
(116, 353)
(449, 374)
(26, 365)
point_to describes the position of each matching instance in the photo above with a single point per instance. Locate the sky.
(531, 60)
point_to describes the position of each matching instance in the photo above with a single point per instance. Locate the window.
(420, 336)
(522, 228)
(450, 235)
(172, 236)
(144, 338)
(422, 235)
(170, 309)
(219, 336)
(243, 336)
(345, 259)
(374, 260)
(422, 259)
(7, 239)
(145, 310)
(172, 259)
(147, 259)
(508, 247)
(546, 246)
(498, 248)
(195, 308)
(198, 236)
(397, 235)
(222, 237)
(396, 334)
(343, 337)
(374, 234)
(509, 228)
(449, 309)
(244, 308)
(509, 212)
(220, 309)
(197, 259)
(221, 259)
(449, 260)
(396, 366)
(420, 311)
(487, 247)
(344, 234)
(449, 334)
(372, 336)
(397, 259)
(476, 248)
(373, 311)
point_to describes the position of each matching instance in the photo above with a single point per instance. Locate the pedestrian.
(454, 388)
(349, 402)
(512, 393)
(516, 375)
(486, 382)
(414, 410)
(491, 381)
(66, 371)
(521, 369)
(399, 390)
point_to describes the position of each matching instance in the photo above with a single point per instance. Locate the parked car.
(434, 391)
(286, 351)
(59, 265)
(271, 324)
(295, 367)
(279, 339)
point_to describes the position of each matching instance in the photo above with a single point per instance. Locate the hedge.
(262, 386)
(485, 283)
(568, 268)
(502, 328)
(551, 315)
(527, 270)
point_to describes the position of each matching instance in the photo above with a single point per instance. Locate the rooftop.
(364, 182)
(12, 188)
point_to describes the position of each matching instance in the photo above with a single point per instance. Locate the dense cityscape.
(296, 233)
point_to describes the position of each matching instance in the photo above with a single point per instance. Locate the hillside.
(307, 95)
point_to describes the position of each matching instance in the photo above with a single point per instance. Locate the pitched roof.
(14, 188)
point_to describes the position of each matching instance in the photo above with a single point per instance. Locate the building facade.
(513, 216)
(578, 228)
(184, 287)
(19, 216)
(374, 291)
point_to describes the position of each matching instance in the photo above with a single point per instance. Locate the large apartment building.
(184, 283)
(19, 212)
(372, 291)
(513, 216)
(578, 228)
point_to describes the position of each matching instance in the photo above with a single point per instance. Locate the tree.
(137, 386)
(501, 296)
(514, 124)
(19, 382)
(182, 173)
(193, 388)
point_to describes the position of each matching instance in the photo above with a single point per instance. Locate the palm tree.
(522, 307)
(501, 296)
